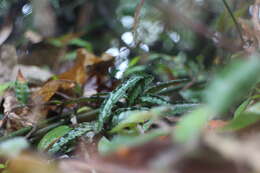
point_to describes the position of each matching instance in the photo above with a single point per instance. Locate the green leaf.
(83, 109)
(69, 137)
(255, 108)
(2, 166)
(52, 136)
(134, 61)
(183, 108)
(81, 43)
(232, 84)
(189, 127)
(160, 86)
(133, 118)
(228, 87)
(107, 147)
(70, 55)
(134, 93)
(122, 113)
(104, 145)
(243, 120)
(154, 99)
(241, 108)
(22, 92)
(5, 86)
(113, 98)
(139, 88)
(134, 69)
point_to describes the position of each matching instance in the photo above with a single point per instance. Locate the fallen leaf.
(78, 72)
(17, 117)
(50, 88)
(88, 67)
(16, 113)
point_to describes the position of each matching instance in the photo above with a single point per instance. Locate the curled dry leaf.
(50, 88)
(78, 72)
(13, 115)
(89, 70)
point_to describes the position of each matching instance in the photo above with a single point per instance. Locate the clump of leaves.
(128, 103)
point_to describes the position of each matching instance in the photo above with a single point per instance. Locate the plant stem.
(20, 132)
(44, 126)
(234, 20)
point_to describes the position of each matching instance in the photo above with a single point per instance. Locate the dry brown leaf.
(78, 73)
(50, 88)
(87, 66)
(29, 115)
(17, 117)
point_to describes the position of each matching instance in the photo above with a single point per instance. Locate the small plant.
(134, 95)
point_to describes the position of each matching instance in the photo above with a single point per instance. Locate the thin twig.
(173, 89)
(199, 27)
(234, 20)
(137, 19)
